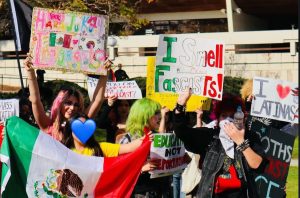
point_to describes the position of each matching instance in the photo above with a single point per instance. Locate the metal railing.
(4, 86)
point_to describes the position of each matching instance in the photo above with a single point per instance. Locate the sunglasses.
(70, 103)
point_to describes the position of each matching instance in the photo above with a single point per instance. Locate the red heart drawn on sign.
(283, 91)
(75, 42)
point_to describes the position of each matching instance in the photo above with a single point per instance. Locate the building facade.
(261, 38)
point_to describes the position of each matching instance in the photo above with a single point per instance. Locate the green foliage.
(5, 30)
(141, 81)
(55, 86)
(232, 85)
(8, 95)
(100, 135)
(124, 10)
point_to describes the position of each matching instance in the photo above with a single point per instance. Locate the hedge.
(231, 85)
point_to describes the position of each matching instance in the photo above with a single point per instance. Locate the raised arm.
(104, 121)
(199, 113)
(163, 121)
(132, 146)
(98, 96)
(39, 113)
(195, 140)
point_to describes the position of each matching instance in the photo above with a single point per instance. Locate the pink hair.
(54, 113)
(56, 103)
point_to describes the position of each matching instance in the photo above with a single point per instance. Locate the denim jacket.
(213, 163)
(205, 141)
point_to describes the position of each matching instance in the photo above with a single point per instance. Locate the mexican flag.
(36, 165)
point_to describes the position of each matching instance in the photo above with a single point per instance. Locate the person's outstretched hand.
(250, 98)
(184, 97)
(151, 136)
(108, 64)
(164, 110)
(28, 63)
(199, 113)
(149, 166)
(111, 100)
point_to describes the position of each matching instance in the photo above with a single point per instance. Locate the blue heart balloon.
(83, 131)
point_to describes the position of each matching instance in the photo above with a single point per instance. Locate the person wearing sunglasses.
(67, 103)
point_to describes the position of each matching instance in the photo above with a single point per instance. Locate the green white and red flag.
(36, 165)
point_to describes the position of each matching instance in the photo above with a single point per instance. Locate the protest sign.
(8, 108)
(169, 153)
(275, 99)
(91, 85)
(169, 99)
(123, 89)
(68, 41)
(187, 60)
(278, 147)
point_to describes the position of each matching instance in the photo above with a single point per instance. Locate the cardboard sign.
(186, 60)
(8, 108)
(123, 89)
(275, 99)
(278, 148)
(169, 99)
(68, 41)
(169, 153)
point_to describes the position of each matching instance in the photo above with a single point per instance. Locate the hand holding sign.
(111, 100)
(184, 96)
(149, 166)
(28, 63)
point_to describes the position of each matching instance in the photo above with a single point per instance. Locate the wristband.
(243, 146)
(180, 108)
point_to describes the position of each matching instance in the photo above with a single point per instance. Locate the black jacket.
(205, 141)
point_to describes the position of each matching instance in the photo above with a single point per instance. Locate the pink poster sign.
(68, 41)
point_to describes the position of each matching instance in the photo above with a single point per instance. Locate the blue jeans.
(177, 186)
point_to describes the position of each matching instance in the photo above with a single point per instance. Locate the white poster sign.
(187, 60)
(275, 99)
(8, 108)
(123, 89)
(68, 41)
(91, 85)
(168, 152)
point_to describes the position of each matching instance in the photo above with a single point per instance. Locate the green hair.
(140, 113)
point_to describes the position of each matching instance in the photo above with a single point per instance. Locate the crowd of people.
(228, 155)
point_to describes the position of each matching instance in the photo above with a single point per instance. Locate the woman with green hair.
(145, 113)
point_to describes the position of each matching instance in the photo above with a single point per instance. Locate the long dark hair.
(68, 139)
(114, 114)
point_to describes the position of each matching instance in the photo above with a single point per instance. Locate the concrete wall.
(274, 65)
